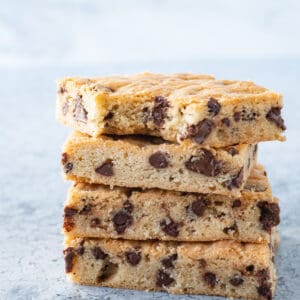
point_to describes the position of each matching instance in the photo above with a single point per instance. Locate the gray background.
(41, 41)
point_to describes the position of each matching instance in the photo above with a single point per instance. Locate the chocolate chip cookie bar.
(178, 108)
(147, 162)
(135, 214)
(226, 268)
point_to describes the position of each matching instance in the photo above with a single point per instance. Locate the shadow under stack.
(167, 193)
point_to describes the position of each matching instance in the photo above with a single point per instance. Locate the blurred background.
(41, 41)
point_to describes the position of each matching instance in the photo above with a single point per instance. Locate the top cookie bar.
(178, 108)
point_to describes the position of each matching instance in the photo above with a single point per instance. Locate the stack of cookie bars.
(167, 193)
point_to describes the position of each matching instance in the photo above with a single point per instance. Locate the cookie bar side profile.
(136, 214)
(178, 108)
(224, 268)
(147, 163)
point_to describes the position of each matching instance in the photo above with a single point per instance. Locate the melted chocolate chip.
(198, 206)
(159, 111)
(250, 268)
(108, 116)
(205, 164)
(236, 180)
(269, 215)
(86, 209)
(237, 116)
(200, 131)
(68, 167)
(133, 258)
(159, 160)
(122, 220)
(210, 278)
(214, 106)
(232, 151)
(80, 249)
(69, 212)
(62, 90)
(64, 158)
(95, 222)
(106, 169)
(163, 279)
(236, 280)
(274, 115)
(226, 122)
(128, 206)
(236, 203)
(202, 263)
(265, 291)
(168, 261)
(98, 253)
(170, 227)
(69, 254)
(79, 112)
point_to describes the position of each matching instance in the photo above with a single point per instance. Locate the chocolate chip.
(133, 257)
(236, 180)
(202, 263)
(269, 215)
(107, 271)
(128, 206)
(106, 169)
(68, 167)
(159, 160)
(205, 164)
(237, 116)
(232, 151)
(98, 253)
(265, 290)
(62, 90)
(214, 106)
(263, 275)
(274, 115)
(200, 131)
(210, 278)
(218, 203)
(236, 280)
(163, 279)
(86, 209)
(95, 222)
(170, 227)
(236, 203)
(250, 268)
(79, 112)
(159, 111)
(80, 249)
(64, 158)
(65, 108)
(122, 220)
(226, 122)
(108, 116)
(69, 212)
(198, 206)
(69, 254)
(232, 228)
(68, 225)
(168, 261)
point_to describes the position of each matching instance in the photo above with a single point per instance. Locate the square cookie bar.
(225, 268)
(178, 108)
(147, 162)
(135, 214)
